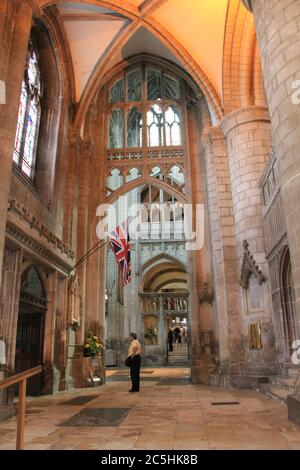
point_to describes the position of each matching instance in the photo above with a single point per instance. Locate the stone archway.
(30, 326)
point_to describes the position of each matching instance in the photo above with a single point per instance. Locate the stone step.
(277, 393)
(284, 383)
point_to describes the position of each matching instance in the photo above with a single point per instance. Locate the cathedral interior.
(188, 110)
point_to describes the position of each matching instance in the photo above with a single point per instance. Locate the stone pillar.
(87, 151)
(227, 305)
(162, 331)
(14, 34)
(71, 191)
(248, 139)
(200, 258)
(50, 321)
(278, 32)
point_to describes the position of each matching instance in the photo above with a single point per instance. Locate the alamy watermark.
(164, 221)
(296, 353)
(296, 93)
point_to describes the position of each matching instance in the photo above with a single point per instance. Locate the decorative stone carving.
(207, 296)
(26, 241)
(249, 267)
(74, 301)
(16, 208)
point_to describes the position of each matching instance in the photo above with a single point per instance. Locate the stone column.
(248, 139)
(14, 34)
(227, 305)
(50, 321)
(87, 151)
(278, 32)
(71, 191)
(162, 331)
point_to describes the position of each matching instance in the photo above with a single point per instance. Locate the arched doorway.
(165, 308)
(288, 301)
(30, 328)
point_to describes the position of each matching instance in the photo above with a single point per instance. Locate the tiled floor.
(174, 415)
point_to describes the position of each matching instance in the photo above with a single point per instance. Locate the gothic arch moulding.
(243, 84)
(140, 17)
(145, 180)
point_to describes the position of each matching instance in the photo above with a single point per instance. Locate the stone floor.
(169, 413)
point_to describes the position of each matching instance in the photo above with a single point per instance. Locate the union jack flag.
(119, 243)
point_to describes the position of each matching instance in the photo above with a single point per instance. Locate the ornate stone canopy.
(249, 267)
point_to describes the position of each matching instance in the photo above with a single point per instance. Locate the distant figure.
(183, 334)
(134, 352)
(170, 339)
(176, 334)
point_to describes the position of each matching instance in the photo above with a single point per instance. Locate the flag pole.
(93, 250)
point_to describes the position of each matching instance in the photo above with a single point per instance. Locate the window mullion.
(144, 113)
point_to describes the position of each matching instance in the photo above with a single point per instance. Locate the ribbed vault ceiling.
(92, 27)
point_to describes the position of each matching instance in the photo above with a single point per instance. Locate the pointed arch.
(123, 7)
(161, 257)
(145, 180)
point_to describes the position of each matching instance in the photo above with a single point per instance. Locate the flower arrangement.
(150, 334)
(93, 346)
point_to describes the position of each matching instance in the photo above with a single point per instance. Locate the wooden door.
(29, 346)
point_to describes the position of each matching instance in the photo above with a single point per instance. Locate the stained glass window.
(155, 126)
(116, 129)
(134, 85)
(134, 128)
(154, 84)
(144, 110)
(29, 115)
(21, 122)
(171, 88)
(117, 93)
(172, 126)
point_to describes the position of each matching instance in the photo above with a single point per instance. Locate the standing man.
(170, 340)
(134, 351)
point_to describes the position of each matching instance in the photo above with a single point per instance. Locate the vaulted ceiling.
(190, 33)
(198, 26)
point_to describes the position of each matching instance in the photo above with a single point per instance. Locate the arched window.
(145, 110)
(29, 115)
(288, 301)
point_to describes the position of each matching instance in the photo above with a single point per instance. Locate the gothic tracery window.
(145, 110)
(29, 115)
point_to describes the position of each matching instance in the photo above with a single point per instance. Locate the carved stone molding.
(51, 249)
(24, 214)
(37, 248)
(249, 267)
(207, 296)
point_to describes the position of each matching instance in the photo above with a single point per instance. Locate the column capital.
(245, 116)
(248, 4)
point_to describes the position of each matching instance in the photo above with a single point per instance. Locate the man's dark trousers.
(135, 373)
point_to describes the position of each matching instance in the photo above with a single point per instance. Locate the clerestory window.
(29, 115)
(145, 110)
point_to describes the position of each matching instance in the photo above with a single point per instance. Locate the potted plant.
(151, 335)
(93, 347)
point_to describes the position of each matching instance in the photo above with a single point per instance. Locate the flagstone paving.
(169, 413)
